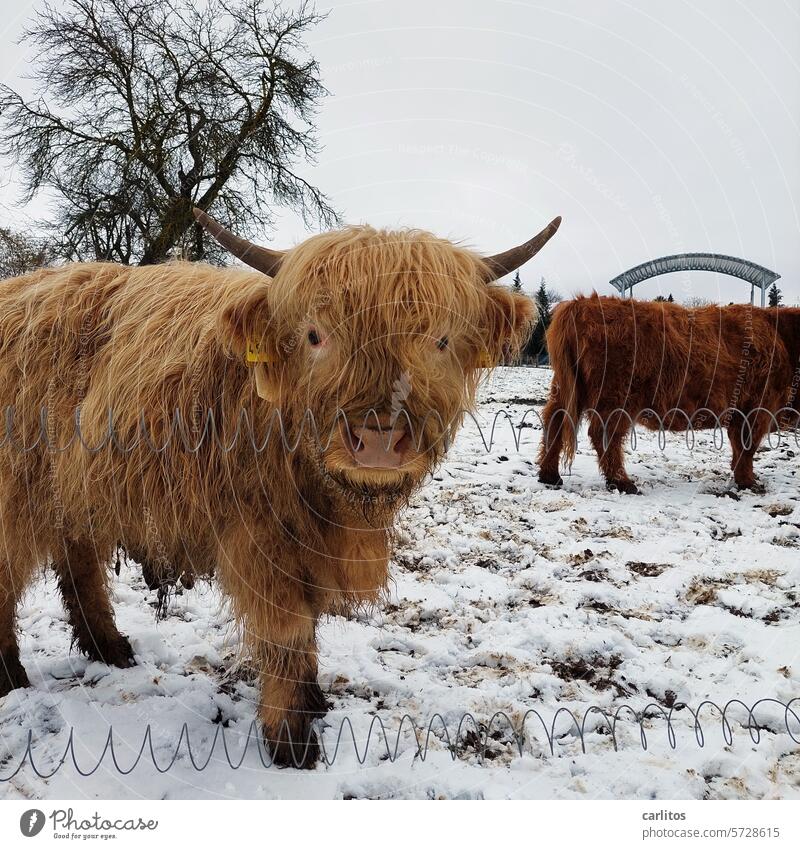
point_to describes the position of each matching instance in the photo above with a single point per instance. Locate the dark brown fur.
(614, 360)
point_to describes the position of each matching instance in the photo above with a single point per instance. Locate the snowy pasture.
(507, 597)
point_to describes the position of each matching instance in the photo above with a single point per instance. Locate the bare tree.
(20, 253)
(147, 107)
(695, 302)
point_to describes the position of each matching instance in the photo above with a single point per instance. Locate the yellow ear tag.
(252, 354)
(485, 359)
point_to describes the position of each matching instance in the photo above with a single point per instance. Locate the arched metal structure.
(755, 275)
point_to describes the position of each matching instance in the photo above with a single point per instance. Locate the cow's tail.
(562, 346)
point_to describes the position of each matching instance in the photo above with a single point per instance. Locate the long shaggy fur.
(289, 535)
(616, 359)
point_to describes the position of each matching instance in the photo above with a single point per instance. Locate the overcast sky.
(653, 127)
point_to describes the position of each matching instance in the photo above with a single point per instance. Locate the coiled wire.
(783, 423)
(469, 736)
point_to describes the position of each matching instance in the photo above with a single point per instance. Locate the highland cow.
(332, 390)
(618, 362)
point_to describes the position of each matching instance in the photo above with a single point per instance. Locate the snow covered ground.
(507, 597)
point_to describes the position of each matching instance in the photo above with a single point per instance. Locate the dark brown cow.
(619, 362)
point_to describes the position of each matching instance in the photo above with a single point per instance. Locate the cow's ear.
(247, 332)
(245, 322)
(510, 320)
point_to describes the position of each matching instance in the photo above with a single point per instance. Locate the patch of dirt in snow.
(510, 601)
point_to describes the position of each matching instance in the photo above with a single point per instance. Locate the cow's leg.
(291, 698)
(553, 421)
(12, 672)
(611, 457)
(735, 437)
(18, 565)
(82, 581)
(745, 439)
(273, 600)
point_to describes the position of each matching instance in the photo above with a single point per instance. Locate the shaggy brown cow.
(380, 335)
(620, 361)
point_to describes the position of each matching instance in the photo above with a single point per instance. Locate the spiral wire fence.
(470, 736)
(205, 429)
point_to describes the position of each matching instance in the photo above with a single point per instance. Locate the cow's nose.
(379, 447)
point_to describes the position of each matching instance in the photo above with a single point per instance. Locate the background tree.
(695, 302)
(147, 107)
(536, 349)
(20, 253)
(517, 284)
(775, 295)
(553, 296)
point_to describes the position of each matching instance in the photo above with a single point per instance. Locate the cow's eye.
(442, 343)
(313, 338)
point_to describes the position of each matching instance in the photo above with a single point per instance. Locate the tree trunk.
(178, 220)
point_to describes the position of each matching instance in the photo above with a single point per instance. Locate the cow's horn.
(510, 260)
(262, 259)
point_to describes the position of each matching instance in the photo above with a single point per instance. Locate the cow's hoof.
(316, 705)
(187, 580)
(12, 675)
(755, 486)
(295, 744)
(115, 651)
(298, 748)
(625, 487)
(151, 576)
(551, 479)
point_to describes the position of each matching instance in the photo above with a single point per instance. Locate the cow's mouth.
(375, 490)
